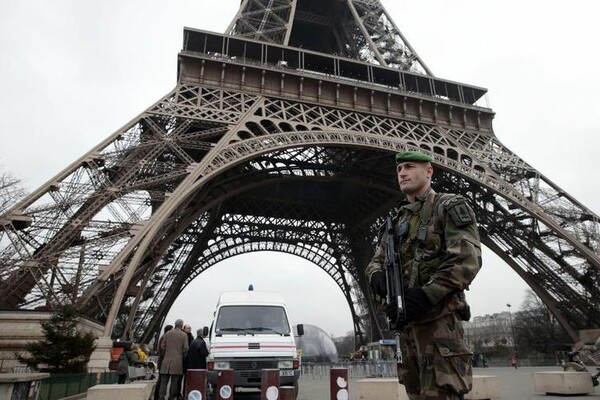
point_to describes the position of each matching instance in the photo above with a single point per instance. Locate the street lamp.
(512, 329)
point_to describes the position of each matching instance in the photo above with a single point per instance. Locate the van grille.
(254, 346)
(253, 364)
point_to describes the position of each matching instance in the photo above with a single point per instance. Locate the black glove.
(416, 303)
(378, 283)
(391, 310)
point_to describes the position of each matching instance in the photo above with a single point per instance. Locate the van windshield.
(252, 320)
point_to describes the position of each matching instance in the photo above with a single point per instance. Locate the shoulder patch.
(459, 211)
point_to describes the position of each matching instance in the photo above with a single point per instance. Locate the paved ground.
(515, 384)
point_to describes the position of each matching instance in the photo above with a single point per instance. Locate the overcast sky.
(72, 72)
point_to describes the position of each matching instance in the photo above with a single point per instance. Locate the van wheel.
(296, 389)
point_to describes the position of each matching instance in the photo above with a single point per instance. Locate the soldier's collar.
(423, 198)
(418, 203)
(413, 207)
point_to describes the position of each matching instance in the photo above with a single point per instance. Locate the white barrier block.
(484, 387)
(128, 391)
(563, 382)
(380, 389)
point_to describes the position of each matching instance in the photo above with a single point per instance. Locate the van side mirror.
(300, 329)
(205, 331)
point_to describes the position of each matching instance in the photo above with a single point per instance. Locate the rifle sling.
(425, 216)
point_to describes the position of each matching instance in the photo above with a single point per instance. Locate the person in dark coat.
(188, 331)
(126, 358)
(122, 367)
(198, 352)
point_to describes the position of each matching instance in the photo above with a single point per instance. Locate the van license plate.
(286, 373)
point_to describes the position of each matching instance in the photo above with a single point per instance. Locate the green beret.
(404, 156)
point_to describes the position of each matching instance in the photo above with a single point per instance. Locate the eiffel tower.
(279, 136)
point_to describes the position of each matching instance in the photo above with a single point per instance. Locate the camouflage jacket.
(451, 254)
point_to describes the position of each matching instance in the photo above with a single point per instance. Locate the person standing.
(159, 361)
(187, 329)
(174, 348)
(123, 366)
(439, 253)
(198, 352)
(160, 346)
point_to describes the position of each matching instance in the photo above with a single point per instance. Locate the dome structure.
(316, 345)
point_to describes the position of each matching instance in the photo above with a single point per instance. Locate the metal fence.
(387, 368)
(58, 386)
(356, 370)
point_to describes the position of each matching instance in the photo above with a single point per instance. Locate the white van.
(251, 331)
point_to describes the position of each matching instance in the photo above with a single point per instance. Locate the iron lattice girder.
(358, 29)
(325, 154)
(251, 223)
(108, 187)
(240, 234)
(267, 20)
(209, 124)
(538, 260)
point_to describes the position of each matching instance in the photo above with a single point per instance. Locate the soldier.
(439, 253)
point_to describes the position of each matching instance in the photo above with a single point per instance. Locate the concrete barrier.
(129, 391)
(485, 387)
(563, 382)
(380, 389)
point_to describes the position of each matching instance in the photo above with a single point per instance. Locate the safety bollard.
(195, 384)
(338, 384)
(224, 388)
(269, 384)
(287, 393)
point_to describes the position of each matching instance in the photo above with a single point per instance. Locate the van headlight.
(221, 364)
(286, 364)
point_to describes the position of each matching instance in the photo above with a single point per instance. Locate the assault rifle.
(394, 283)
(394, 279)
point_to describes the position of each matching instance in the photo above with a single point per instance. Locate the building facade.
(489, 334)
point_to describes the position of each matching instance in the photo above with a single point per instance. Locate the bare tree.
(11, 191)
(345, 345)
(536, 328)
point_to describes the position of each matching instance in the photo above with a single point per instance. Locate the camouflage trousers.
(437, 364)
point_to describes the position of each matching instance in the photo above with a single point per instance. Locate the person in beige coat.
(174, 347)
